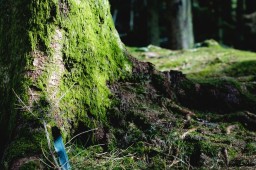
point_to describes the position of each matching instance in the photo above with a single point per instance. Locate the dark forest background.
(230, 22)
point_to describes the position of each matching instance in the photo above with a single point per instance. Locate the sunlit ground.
(213, 61)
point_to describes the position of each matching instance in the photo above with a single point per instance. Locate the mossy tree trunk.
(56, 57)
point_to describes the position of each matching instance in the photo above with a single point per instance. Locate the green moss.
(24, 27)
(25, 146)
(30, 165)
(158, 163)
(250, 148)
(91, 53)
(245, 68)
(210, 149)
(232, 153)
(218, 82)
(210, 60)
(210, 43)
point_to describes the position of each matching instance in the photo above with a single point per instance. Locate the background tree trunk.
(153, 22)
(240, 11)
(55, 60)
(180, 24)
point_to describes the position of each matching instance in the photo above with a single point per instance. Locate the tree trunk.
(153, 22)
(180, 24)
(55, 60)
(240, 11)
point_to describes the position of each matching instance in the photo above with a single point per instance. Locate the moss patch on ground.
(203, 62)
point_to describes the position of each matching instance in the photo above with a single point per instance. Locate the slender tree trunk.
(180, 24)
(239, 24)
(153, 22)
(55, 60)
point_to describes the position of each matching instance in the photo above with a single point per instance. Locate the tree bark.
(180, 24)
(56, 58)
(153, 22)
(240, 11)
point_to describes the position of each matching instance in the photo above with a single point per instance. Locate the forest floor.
(200, 115)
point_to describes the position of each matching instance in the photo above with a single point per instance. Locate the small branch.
(182, 110)
(187, 132)
(230, 128)
(65, 93)
(24, 105)
(80, 134)
(225, 152)
(46, 157)
(173, 163)
(82, 152)
(49, 146)
(177, 160)
(46, 164)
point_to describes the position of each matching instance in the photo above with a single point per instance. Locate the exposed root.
(184, 111)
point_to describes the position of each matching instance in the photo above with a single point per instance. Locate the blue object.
(62, 154)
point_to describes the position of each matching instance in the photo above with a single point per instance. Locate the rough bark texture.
(56, 58)
(180, 24)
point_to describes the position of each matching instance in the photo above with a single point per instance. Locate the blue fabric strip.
(62, 154)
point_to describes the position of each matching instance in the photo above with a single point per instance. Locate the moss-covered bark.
(56, 58)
